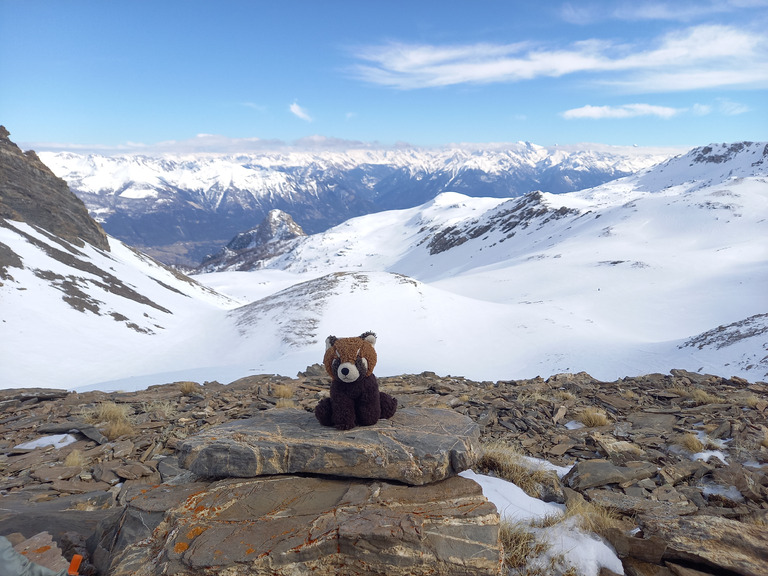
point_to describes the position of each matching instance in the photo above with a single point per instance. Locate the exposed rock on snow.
(30, 192)
(271, 238)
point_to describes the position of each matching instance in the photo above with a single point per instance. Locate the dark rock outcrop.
(30, 192)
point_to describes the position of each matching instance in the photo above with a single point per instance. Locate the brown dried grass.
(518, 545)
(282, 391)
(690, 442)
(188, 388)
(593, 417)
(507, 463)
(74, 459)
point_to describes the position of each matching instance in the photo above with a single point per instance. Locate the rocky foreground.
(683, 457)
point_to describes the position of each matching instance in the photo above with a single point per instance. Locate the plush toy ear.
(330, 341)
(369, 337)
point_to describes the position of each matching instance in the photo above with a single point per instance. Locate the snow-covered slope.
(181, 208)
(76, 315)
(663, 269)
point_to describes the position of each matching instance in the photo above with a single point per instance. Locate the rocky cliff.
(30, 192)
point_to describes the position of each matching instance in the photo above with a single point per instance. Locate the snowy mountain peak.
(247, 250)
(707, 165)
(754, 153)
(276, 227)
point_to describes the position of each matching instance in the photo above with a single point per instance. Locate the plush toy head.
(348, 359)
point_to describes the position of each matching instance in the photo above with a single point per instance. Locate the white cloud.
(702, 109)
(300, 112)
(730, 108)
(255, 106)
(698, 57)
(632, 11)
(625, 111)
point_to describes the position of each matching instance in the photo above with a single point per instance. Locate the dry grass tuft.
(114, 417)
(699, 397)
(518, 545)
(118, 428)
(188, 388)
(107, 412)
(285, 403)
(74, 458)
(282, 391)
(163, 409)
(507, 463)
(592, 417)
(593, 518)
(690, 442)
(529, 397)
(564, 395)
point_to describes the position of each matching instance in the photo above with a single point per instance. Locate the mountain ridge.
(182, 208)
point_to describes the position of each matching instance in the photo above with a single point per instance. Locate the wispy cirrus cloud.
(624, 111)
(582, 13)
(706, 56)
(300, 112)
(721, 105)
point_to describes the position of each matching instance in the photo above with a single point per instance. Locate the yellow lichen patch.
(180, 547)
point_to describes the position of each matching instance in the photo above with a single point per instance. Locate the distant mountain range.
(663, 269)
(182, 208)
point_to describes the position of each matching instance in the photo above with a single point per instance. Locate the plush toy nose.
(348, 372)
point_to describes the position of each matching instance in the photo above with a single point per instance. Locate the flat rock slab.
(720, 543)
(288, 525)
(42, 550)
(416, 446)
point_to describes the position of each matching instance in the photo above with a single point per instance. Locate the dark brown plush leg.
(323, 412)
(388, 405)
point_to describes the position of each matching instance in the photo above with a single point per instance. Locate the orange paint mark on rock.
(42, 549)
(180, 547)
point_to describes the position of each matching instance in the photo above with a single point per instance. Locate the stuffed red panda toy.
(355, 398)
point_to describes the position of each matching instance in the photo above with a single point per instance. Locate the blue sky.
(126, 75)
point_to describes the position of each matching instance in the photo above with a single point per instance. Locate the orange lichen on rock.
(195, 532)
(180, 547)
